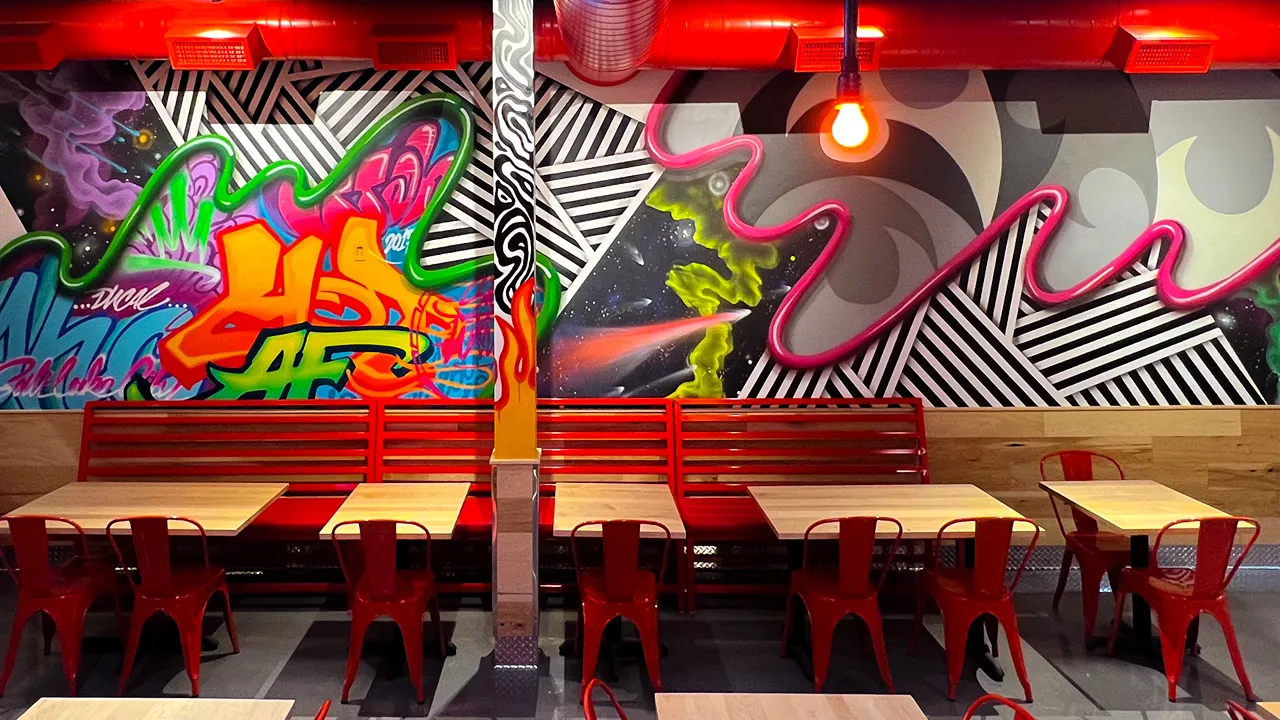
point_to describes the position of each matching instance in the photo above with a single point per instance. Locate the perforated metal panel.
(415, 55)
(824, 55)
(196, 54)
(1166, 56)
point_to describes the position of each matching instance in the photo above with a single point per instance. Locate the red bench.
(322, 448)
(725, 446)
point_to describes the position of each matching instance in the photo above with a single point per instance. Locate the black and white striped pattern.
(879, 366)
(1208, 374)
(290, 131)
(597, 193)
(768, 379)
(559, 239)
(514, 143)
(572, 127)
(962, 359)
(178, 96)
(995, 279)
(1114, 331)
(255, 91)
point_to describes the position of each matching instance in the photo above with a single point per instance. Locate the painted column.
(515, 446)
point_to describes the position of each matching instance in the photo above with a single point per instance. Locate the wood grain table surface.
(223, 508)
(435, 504)
(157, 709)
(583, 502)
(1131, 507)
(922, 509)
(779, 706)
(1270, 708)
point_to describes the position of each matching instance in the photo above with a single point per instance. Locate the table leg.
(1140, 557)
(976, 646)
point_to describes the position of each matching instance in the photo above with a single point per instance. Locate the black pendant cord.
(849, 63)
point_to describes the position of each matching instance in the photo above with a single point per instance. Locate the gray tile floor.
(292, 649)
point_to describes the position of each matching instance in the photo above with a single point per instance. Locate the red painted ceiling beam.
(741, 34)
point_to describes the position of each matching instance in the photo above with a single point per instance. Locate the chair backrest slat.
(1077, 466)
(1215, 543)
(621, 539)
(372, 566)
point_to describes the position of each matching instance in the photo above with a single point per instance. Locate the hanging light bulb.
(850, 128)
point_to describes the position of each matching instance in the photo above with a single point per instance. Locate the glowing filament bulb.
(850, 128)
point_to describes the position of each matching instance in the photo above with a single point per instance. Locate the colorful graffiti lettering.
(276, 289)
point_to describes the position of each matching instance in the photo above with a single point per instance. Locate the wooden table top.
(772, 706)
(922, 509)
(223, 508)
(157, 709)
(1132, 507)
(582, 502)
(435, 504)
(1270, 708)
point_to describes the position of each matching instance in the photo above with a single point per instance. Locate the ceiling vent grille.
(819, 50)
(215, 48)
(1166, 50)
(414, 47)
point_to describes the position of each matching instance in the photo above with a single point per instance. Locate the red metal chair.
(63, 593)
(1236, 711)
(1097, 552)
(619, 589)
(830, 594)
(180, 593)
(1179, 595)
(1019, 712)
(377, 589)
(589, 708)
(967, 594)
(324, 711)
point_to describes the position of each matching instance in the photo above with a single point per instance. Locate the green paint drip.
(703, 288)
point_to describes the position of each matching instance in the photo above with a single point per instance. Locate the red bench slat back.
(312, 443)
(606, 440)
(426, 440)
(725, 445)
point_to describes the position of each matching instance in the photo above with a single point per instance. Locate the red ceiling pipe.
(290, 29)
(694, 34)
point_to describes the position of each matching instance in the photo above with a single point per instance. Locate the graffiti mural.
(1008, 239)
(320, 229)
(218, 272)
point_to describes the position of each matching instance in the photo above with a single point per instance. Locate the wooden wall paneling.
(41, 453)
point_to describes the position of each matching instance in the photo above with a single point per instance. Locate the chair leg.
(593, 623)
(1116, 620)
(139, 618)
(649, 645)
(229, 618)
(1009, 619)
(1223, 615)
(1173, 645)
(823, 623)
(1063, 575)
(875, 627)
(955, 628)
(433, 606)
(70, 628)
(411, 631)
(192, 637)
(1090, 590)
(20, 619)
(359, 624)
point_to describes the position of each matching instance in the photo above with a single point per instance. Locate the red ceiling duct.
(693, 34)
(608, 40)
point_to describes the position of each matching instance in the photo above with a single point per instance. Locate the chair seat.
(824, 584)
(725, 518)
(410, 585)
(1109, 545)
(957, 582)
(1169, 581)
(186, 581)
(592, 588)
